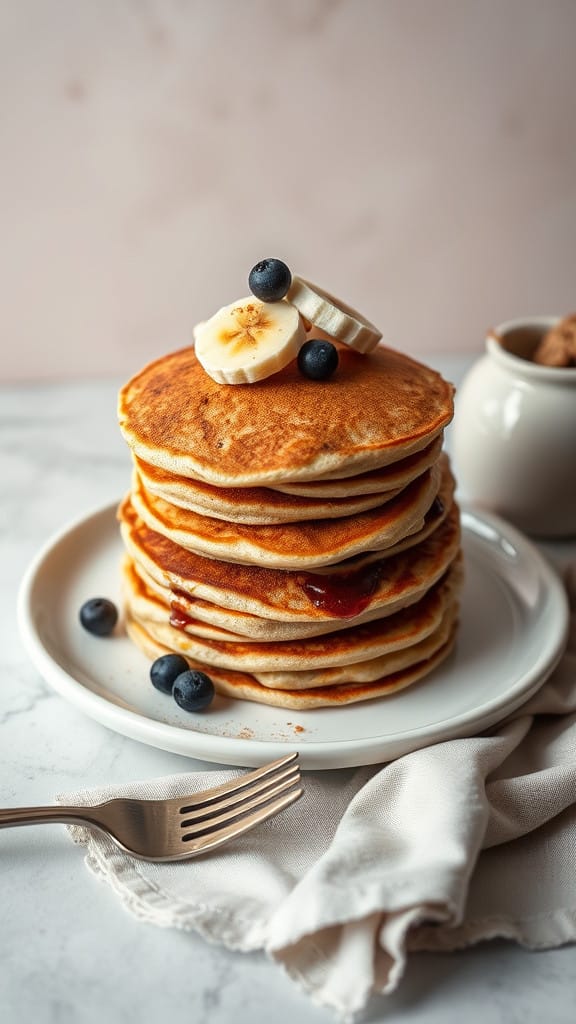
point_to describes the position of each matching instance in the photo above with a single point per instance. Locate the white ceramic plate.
(514, 621)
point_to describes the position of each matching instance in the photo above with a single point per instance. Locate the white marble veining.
(69, 954)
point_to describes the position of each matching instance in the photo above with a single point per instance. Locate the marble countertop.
(68, 951)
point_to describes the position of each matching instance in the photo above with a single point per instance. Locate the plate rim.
(319, 754)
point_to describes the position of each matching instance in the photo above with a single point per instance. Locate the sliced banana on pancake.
(333, 316)
(197, 329)
(249, 340)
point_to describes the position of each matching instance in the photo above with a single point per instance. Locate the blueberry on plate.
(99, 616)
(317, 359)
(193, 691)
(269, 280)
(165, 670)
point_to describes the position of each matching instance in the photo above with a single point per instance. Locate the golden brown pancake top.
(376, 409)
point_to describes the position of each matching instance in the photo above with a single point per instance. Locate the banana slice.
(333, 316)
(197, 329)
(249, 340)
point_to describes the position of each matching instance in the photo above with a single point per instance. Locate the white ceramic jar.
(514, 433)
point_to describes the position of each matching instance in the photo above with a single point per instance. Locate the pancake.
(252, 506)
(377, 409)
(147, 605)
(184, 607)
(380, 586)
(184, 612)
(344, 647)
(367, 671)
(187, 612)
(379, 481)
(244, 686)
(239, 588)
(292, 545)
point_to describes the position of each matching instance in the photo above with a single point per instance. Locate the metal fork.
(182, 827)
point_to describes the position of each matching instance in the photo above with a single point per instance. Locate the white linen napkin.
(434, 851)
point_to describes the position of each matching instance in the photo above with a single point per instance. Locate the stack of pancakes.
(296, 540)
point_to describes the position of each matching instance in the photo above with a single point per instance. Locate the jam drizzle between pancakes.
(341, 595)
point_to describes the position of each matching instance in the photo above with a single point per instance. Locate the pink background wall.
(417, 157)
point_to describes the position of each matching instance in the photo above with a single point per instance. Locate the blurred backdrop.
(416, 157)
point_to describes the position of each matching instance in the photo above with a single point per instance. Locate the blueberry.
(165, 670)
(269, 280)
(193, 691)
(99, 616)
(318, 359)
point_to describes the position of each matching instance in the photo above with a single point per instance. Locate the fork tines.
(238, 805)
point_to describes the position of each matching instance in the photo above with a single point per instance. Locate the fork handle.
(13, 816)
